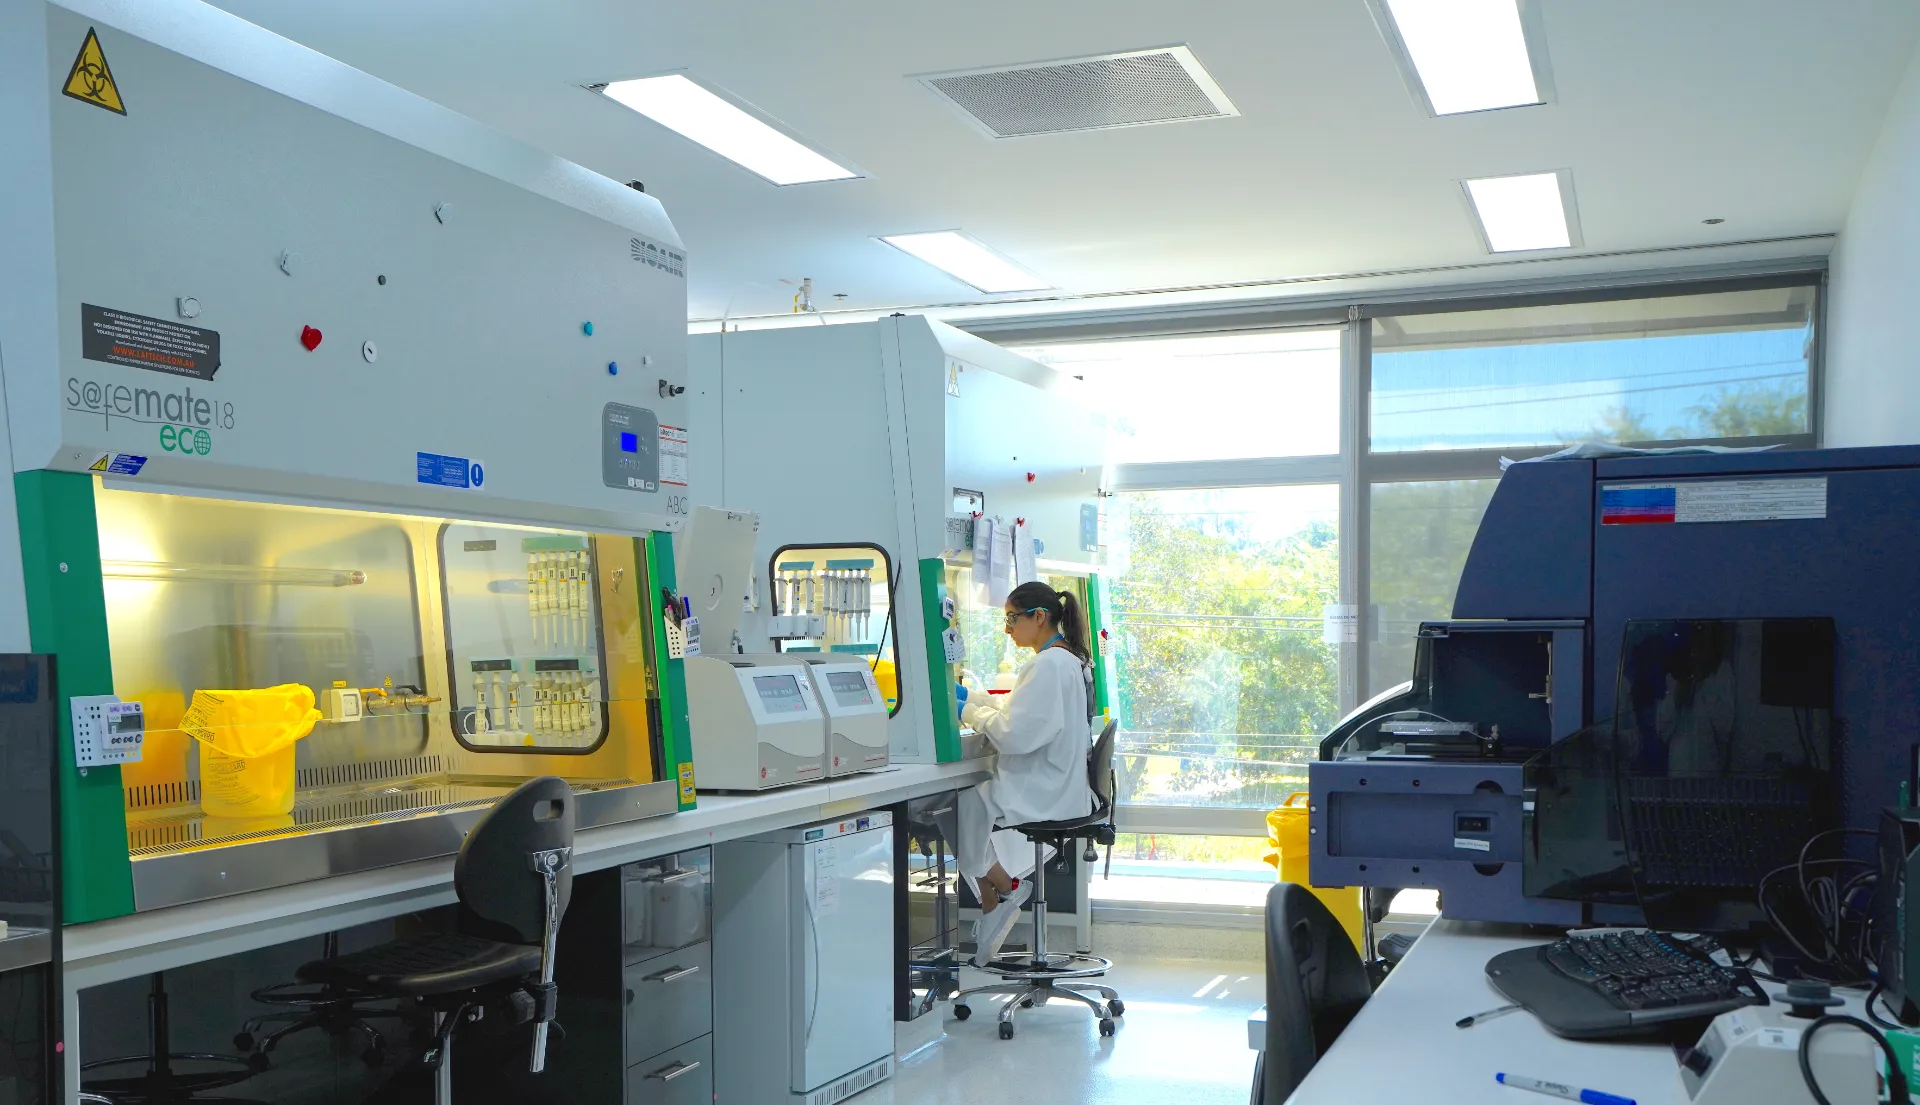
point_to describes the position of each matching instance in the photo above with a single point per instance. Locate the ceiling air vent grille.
(1164, 85)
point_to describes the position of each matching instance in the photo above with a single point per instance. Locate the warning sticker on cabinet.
(121, 337)
(673, 456)
(1629, 504)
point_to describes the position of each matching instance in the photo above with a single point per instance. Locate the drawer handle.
(669, 1073)
(672, 974)
(683, 873)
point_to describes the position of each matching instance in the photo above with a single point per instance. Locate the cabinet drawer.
(666, 903)
(683, 1076)
(669, 1000)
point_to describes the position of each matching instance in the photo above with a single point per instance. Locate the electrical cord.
(1896, 1078)
(1874, 996)
(1832, 926)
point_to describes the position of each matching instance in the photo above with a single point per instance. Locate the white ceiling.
(1760, 112)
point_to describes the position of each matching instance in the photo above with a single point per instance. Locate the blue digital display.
(629, 443)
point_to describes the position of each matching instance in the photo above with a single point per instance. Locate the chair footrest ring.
(1055, 965)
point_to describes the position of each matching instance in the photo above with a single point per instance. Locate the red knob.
(1029, 477)
(310, 338)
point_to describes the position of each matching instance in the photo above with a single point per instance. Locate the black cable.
(1832, 926)
(1896, 1078)
(1875, 995)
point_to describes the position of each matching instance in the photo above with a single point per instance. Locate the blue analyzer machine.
(1795, 574)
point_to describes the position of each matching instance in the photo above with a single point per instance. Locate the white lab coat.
(1041, 732)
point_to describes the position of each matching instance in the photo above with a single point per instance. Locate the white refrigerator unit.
(803, 963)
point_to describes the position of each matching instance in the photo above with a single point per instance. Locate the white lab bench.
(141, 943)
(1403, 1046)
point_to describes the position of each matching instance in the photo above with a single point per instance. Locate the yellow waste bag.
(888, 681)
(1288, 850)
(247, 747)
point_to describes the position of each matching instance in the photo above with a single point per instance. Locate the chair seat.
(422, 966)
(1051, 831)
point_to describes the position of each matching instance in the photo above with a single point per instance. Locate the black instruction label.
(118, 337)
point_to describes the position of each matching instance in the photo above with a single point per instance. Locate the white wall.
(1873, 308)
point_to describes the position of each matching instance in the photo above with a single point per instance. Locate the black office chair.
(168, 1077)
(1315, 985)
(1031, 978)
(514, 877)
(339, 1012)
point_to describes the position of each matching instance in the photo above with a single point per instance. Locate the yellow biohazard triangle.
(90, 80)
(101, 464)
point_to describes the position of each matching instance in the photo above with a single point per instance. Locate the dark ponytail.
(1063, 608)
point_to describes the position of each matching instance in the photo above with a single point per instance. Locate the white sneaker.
(993, 927)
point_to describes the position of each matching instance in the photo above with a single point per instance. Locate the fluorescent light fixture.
(967, 260)
(1466, 55)
(684, 107)
(1523, 212)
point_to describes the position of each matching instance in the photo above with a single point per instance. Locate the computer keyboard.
(1620, 983)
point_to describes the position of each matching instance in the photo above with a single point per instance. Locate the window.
(1420, 535)
(1234, 490)
(1171, 869)
(1692, 367)
(1213, 397)
(1225, 683)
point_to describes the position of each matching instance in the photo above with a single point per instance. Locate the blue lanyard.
(1057, 637)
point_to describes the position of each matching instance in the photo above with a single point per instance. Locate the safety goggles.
(1016, 616)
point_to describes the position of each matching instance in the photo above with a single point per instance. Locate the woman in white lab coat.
(1041, 731)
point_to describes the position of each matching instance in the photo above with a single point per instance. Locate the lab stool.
(514, 878)
(1035, 977)
(324, 1006)
(160, 1083)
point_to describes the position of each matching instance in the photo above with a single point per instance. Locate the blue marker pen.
(1561, 1089)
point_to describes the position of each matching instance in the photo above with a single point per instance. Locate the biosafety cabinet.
(346, 462)
(874, 453)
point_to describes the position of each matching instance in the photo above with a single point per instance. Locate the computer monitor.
(1718, 767)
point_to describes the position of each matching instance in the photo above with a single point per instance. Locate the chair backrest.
(502, 897)
(1100, 767)
(1315, 985)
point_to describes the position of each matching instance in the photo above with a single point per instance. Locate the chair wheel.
(1006, 1031)
(243, 1041)
(375, 1057)
(962, 1012)
(1026, 1003)
(1116, 1007)
(1106, 1026)
(258, 1062)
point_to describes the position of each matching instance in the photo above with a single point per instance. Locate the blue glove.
(960, 694)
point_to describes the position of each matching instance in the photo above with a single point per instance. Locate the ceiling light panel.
(1462, 56)
(966, 260)
(1516, 213)
(694, 112)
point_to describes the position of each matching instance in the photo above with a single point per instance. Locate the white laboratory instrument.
(1753, 1055)
(756, 722)
(803, 962)
(856, 712)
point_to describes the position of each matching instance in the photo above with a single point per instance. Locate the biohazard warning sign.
(90, 80)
